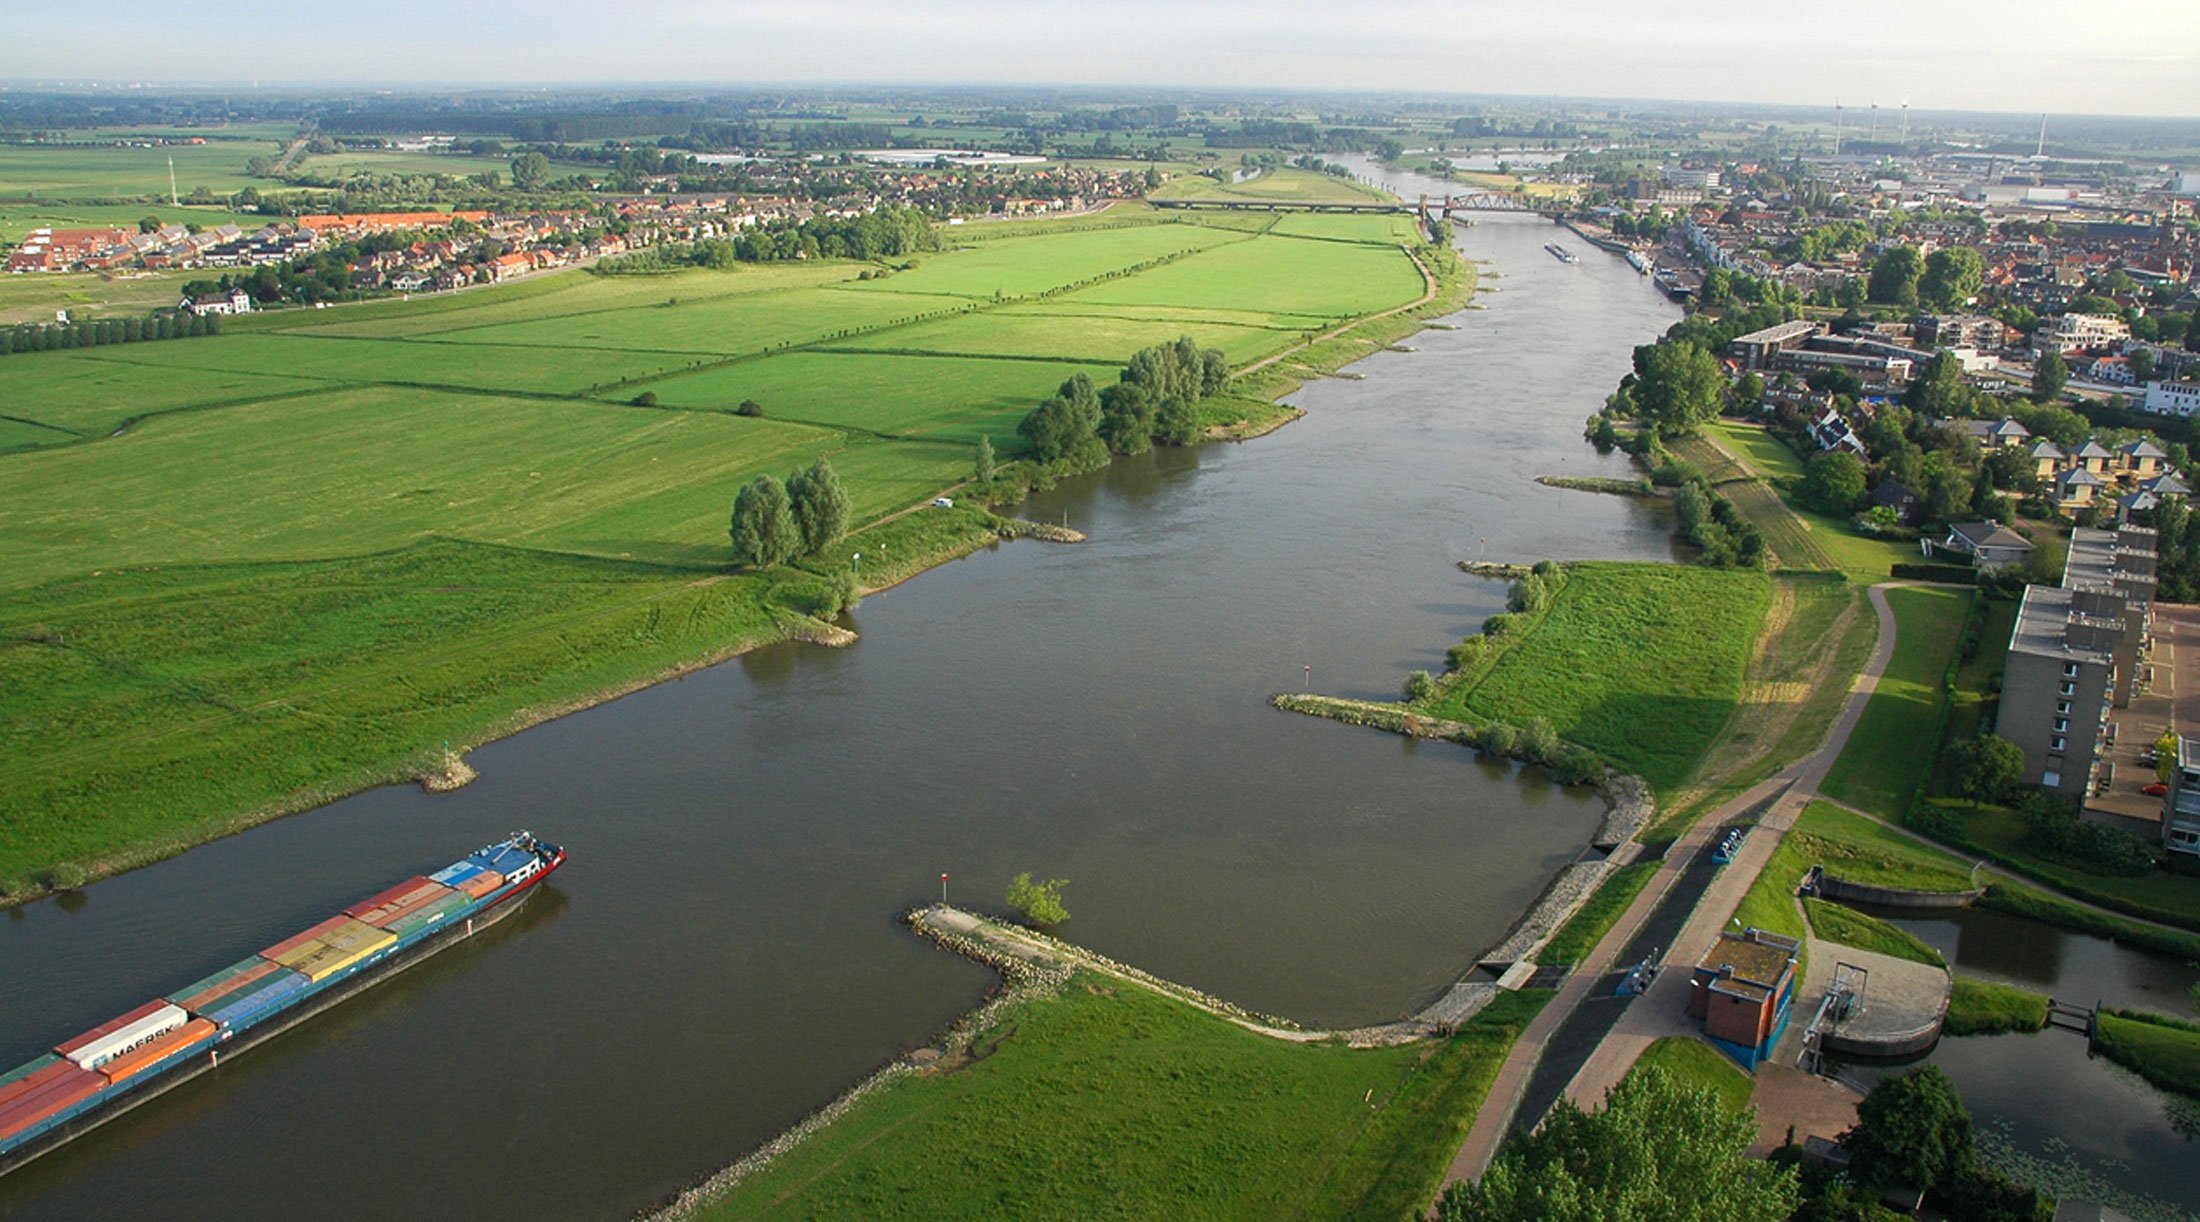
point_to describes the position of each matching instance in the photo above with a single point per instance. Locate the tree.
(1833, 483)
(749, 407)
(982, 469)
(1041, 903)
(1953, 275)
(1659, 1149)
(1539, 740)
(1939, 390)
(2142, 364)
(1912, 1131)
(1419, 684)
(148, 224)
(819, 505)
(1126, 418)
(1988, 767)
(1066, 428)
(1894, 277)
(1678, 385)
(2049, 375)
(763, 530)
(530, 171)
(2192, 332)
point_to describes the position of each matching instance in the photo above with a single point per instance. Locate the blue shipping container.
(454, 874)
(236, 1011)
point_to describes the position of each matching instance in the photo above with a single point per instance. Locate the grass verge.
(2164, 1051)
(1983, 1007)
(1891, 750)
(1849, 927)
(1697, 1064)
(1583, 930)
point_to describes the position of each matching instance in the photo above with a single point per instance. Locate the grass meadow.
(65, 172)
(1109, 1100)
(1642, 662)
(329, 540)
(1890, 752)
(1281, 183)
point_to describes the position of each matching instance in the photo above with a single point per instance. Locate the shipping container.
(433, 915)
(482, 884)
(333, 959)
(63, 1093)
(354, 935)
(296, 940)
(382, 918)
(119, 1035)
(455, 873)
(246, 1006)
(385, 898)
(131, 1064)
(221, 984)
(29, 1077)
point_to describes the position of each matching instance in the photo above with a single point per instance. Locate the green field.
(2164, 1051)
(1865, 560)
(34, 172)
(1109, 1100)
(1643, 662)
(331, 539)
(34, 298)
(1849, 927)
(1891, 750)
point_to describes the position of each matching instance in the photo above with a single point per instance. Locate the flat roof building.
(1756, 349)
(2057, 684)
(2119, 563)
(1743, 988)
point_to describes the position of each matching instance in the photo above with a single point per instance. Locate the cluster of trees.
(1156, 402)
(1651, 226)
(44, 337)
(1713, 524)
(774, 522)
(1913, 1132)
(1942, 281)
(2052, 826)
(1660, 1148)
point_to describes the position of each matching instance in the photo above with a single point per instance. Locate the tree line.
(47, 337)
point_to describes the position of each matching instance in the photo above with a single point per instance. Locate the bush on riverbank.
(1984, 1007)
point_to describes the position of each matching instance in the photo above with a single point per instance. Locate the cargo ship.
(90, 1078)
(1560, 253)
(1636, 260)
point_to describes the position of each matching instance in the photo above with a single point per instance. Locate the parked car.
(2155, 790)
(943, 502)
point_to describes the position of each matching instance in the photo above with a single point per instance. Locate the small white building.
(235, 301)
(2172, 398)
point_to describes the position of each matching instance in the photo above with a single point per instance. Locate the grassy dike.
(1101, 1098)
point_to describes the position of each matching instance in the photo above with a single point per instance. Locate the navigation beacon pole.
(943, 888)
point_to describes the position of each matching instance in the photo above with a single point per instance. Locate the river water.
(721, 954)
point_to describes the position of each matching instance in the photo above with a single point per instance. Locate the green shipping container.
(221, 977)
(23, 1071)
(431, 915)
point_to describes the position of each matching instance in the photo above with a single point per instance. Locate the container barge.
(1560, 253)
(90, 1078)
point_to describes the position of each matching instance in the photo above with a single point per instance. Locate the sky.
(2102, 57)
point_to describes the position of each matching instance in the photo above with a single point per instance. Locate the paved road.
(1662, 1010)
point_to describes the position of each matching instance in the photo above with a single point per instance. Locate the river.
(721, 955)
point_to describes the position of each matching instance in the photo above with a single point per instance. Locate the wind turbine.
(1905, 120)
(2041, 151)
(1837, 126)
(173, 202)
(1875, 123)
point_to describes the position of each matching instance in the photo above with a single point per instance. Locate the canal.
(2043, 1107)
(721, 955)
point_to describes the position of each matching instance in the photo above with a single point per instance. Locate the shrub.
(1539, 741)
(2052, 826)
(1500, 625)
(647, 398)
(1419, 685)
(749, 407)
(1041, 903)
(1576, 766)
(1498, 738)
(1467, 652)
(67, 876)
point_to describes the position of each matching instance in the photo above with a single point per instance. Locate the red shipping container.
(207, 997)
(390, 898)
(482, 884)
(109, 1027)
(297, 940)
(137, 1061)
(389, 914)
(32, 1082)
(66, 1092)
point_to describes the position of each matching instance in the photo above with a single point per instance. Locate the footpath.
(1662, 1009)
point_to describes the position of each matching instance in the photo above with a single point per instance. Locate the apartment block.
(2114, 569)
(2058, 683)
(2181, 809)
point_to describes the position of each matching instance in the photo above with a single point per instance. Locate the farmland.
(361, 531)
(1282, 183)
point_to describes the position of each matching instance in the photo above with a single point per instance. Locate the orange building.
(1743, 988)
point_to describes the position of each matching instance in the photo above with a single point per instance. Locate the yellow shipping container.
(329, 960)
(354, 934)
